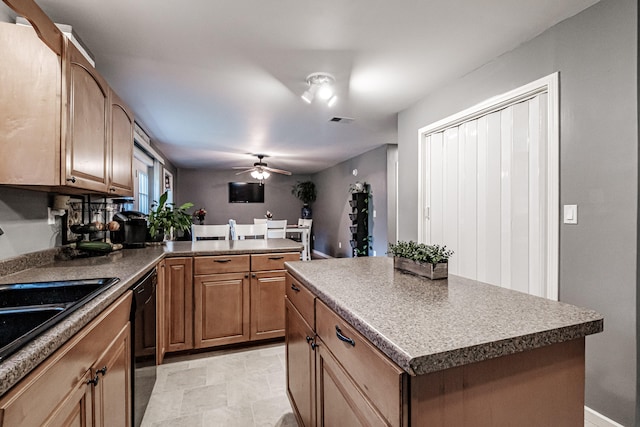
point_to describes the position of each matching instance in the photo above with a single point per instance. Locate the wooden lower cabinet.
(84, 383)
(221, 309)
(75, 410)
(161, 339)
(178, 295)
(267, 304)
(337, 380)
(112, 383)
(301, 361)
(339, 401)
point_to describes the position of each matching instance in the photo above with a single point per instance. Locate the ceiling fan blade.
(283, 172)
(245, 171)
(242, 167)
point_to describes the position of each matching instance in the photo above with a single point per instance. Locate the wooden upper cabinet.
(121, 148)
(61, 126)
(87, 117)
(30, 76)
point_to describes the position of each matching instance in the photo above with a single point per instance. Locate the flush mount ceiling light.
(321, 86)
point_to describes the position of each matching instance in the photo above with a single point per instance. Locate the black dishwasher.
(143, 344)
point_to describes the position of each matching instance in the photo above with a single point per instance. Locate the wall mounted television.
(246, 192)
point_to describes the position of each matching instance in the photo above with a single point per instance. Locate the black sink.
(29, 309)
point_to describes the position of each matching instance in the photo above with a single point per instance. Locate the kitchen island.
(446, 352)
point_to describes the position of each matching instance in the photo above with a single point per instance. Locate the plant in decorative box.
(418, 258)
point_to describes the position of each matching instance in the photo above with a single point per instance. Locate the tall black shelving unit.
(359, 217)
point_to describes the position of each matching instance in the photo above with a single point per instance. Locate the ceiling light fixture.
(322, 86)
(260, 174)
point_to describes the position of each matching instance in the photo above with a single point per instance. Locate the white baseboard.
(321, 254)
(598, 419)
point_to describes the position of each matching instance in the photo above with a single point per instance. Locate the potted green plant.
(418, 258)
(165, 219)
(305, 191)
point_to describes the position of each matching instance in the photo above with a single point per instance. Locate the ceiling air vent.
(345, 120)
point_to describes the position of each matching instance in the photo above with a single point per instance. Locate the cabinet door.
(87, 118)
(178, 304)
(76, 409)
(338, 400)
(161, 346)
(30, 105)
(221, 309)
(300, 358)
(121, 148)
(267, 304)
(112, 378)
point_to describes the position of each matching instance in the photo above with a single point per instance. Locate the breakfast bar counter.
(129, 265)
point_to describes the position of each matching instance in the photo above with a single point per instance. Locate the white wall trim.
(320, 254)
(550, 85)
(598, 419)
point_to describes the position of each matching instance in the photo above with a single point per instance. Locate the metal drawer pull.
(343, 338)
(221, 260)
(102, 371)
(309, 338)
(295, 288)
(275, 257)
(314, 345)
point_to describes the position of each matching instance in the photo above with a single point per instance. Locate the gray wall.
(595, 53)
(208, 189)
(23, 218)
(6, 14)
(330, 211)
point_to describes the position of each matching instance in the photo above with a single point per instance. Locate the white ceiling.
(213, 80)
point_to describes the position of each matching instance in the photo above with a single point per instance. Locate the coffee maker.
(133, 229)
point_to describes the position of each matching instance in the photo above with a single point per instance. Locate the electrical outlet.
(374, 213)
(339, 245)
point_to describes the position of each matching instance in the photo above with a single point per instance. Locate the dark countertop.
(426, 326)
(129, 265)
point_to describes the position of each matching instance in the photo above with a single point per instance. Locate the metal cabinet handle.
(102, 371)
(253, 275)
(72, 179)
(314, 345)
(309, 338)
(246, 276)
(112, 189)
(221, 260)
(94, 381)
(275, 257)
(295, 288)
(343, 338)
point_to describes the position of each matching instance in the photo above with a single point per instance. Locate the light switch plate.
(570, 214)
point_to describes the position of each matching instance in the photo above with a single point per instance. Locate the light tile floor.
(240, 387)
(231, 388)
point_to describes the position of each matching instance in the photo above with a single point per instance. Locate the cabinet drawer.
(302, 299)
(360, 359)
(275, 261)
(221, 264)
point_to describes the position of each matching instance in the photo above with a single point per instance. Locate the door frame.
(550, 85)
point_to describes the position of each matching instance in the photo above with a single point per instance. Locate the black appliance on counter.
(143, 344)
(133, 229)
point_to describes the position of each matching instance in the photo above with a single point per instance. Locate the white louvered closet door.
(486, 195)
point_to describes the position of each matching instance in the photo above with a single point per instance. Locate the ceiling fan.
(260, 170)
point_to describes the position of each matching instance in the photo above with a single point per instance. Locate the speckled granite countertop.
(129, 265)
(426, 326)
